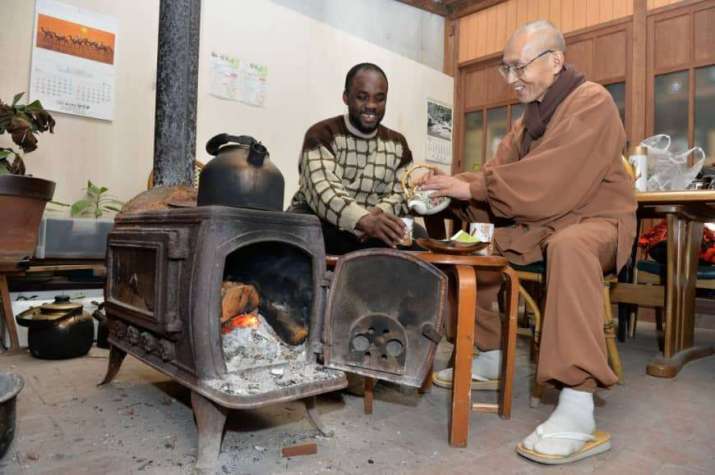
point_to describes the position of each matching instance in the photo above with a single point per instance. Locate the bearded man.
(350, 169)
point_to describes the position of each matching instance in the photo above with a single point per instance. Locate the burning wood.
(285, 322)
(246, 320)
(237, 298)
(239, 306)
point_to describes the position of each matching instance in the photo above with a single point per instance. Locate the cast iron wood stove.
(237, 305)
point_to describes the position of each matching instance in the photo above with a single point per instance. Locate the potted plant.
(22, 198)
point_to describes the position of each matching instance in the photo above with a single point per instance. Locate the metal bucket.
(10, 386)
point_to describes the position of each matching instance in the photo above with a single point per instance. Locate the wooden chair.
(536, 273)
(648, 291)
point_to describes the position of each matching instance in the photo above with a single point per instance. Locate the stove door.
(384, 316)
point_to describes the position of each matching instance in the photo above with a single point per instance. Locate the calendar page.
(439, 133)
(73, 59)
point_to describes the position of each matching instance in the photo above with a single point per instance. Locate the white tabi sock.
(574, 413)
(486, 366)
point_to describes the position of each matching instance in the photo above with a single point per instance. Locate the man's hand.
(383, 226)
(448, 186)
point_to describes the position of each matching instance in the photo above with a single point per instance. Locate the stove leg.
(116, 356)
(313, 416)
(210, 421)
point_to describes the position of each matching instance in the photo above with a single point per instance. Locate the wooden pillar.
(458, 109)
(638, 78)
(450, 43)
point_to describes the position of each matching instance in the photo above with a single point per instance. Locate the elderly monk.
(558, 179)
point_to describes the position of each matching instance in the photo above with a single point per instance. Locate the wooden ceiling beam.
(460, 8)
(438, 8)
(452, 8)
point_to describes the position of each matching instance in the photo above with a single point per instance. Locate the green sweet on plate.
(465, 237)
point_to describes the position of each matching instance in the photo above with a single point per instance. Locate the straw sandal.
(596, 443)
(478, 384)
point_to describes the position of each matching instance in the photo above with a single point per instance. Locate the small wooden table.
(465, 268)
(466, 299)
(685, 211)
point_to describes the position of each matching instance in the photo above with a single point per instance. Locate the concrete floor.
(142, 423)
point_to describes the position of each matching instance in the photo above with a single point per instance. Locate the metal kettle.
(58, 330)
(241, 175)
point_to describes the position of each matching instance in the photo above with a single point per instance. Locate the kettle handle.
(213, 145)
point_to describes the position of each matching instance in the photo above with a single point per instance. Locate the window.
(481, 140)
(705, 110)
(473, 138)
(618, 92)
(671, 108)
(496, 130)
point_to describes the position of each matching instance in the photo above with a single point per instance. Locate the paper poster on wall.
(237, 80)
(439, 133)
(73, 57)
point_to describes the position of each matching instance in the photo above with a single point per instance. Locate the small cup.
(407, 238)
(482, 231)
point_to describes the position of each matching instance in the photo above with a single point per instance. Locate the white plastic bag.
(667, 170)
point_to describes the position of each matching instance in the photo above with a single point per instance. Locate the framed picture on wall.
(439, 133)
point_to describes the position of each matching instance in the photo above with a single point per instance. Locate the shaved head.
(538, 35)
(533, 58)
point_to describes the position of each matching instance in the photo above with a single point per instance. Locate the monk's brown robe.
(572, 202)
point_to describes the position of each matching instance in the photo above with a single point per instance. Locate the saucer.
(450, 247)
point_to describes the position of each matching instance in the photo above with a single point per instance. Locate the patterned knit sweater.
(343, 172)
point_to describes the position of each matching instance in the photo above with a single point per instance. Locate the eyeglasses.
(518, 69)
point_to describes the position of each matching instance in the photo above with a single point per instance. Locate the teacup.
(422, 202)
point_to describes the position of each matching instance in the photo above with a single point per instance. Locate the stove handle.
(429, 332)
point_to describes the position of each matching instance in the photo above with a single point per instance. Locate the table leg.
(464, 350)
(509, 345)
(7, 314)
(684, 239)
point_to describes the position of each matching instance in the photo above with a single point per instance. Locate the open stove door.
(384, 316)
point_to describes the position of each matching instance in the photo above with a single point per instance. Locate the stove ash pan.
(233, 303)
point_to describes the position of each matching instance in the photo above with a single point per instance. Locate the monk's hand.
(444, 185)
(383, 226)
(422, 179)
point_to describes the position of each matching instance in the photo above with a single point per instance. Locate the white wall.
(390, 24)
(307, 62)
(116, 154)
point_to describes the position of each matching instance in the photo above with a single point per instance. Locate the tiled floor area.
(142, 423)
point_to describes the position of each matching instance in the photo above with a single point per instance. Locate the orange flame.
(245, 320)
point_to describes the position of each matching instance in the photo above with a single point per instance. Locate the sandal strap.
(564, 435)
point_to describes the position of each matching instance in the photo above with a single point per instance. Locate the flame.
(244, 320)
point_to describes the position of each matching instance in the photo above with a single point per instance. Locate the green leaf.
(17, 97)
(5, 153)
(80, 208)
(92, 188)
(34, 106)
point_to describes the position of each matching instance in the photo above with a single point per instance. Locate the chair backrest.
(630, 169)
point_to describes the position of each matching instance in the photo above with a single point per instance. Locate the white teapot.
(421, 201)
